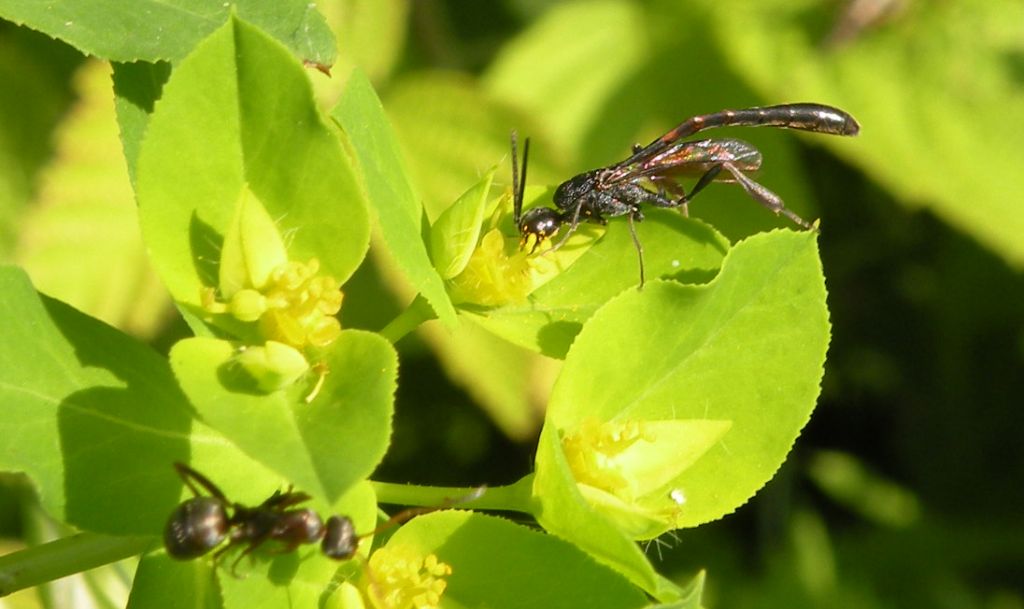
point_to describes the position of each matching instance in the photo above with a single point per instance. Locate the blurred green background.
(906, 489)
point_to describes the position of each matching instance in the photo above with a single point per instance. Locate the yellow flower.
(492, 276)
(300, 306)
(593, 451)
(504, 270)
(290, 301)
(630, 470)
(398, 577)
(279, 308)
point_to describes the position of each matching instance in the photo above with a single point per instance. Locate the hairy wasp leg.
(636, 242)
(764, 196)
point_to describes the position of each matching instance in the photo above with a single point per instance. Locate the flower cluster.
(492, 276)
(594, 452)
(400, 578)
(632, 470)
(295, 307)
(275, 306)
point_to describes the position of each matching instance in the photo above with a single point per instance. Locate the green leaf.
(323, 447)
(398, 210)
(371, 34)
(850, 483)
(190, 582)
(274, 366)
(552, 316)
(452, 131)
(80, 242)
(691, 596)
(456, 232)
(910, 83)
(748, 347)
(564, 512)
(92, 397)
(36, 95)
(252, 248)
(495, 373)
(137, 87)
(153, 30)
(259, 130)
(555, 573)
(567, 89)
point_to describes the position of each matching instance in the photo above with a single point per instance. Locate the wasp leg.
(708, 177)
(666, 185)
(280, 501)
(191, 477)
(574, 223)
(253, 546)
(764, 196)
(636, 241)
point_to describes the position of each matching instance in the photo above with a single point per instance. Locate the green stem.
(408, 320)
(516, 497)
(66, 556)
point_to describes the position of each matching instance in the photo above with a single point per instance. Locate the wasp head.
(539, 223)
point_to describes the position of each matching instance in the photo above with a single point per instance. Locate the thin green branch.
(516, 497)
(66, 556)
(408, 320)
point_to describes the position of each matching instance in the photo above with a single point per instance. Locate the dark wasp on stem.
(204, 522)
(648, 176)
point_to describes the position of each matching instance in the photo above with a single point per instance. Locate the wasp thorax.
(571, 191)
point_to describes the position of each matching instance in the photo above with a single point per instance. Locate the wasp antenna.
(517, 209)
(522, 176)
(518, 180)
(191, 477)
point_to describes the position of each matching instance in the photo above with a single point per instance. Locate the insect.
(201, 524)
(205, 521)
(649, 176)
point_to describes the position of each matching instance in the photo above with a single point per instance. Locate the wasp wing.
(682, 159)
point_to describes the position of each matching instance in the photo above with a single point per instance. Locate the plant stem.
(66, 556)
(408, 320)
(515, 497)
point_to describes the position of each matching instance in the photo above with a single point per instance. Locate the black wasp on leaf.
(649, 176)
(201, 524)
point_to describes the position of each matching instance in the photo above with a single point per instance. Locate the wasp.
(204, 522)
(650, 176)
